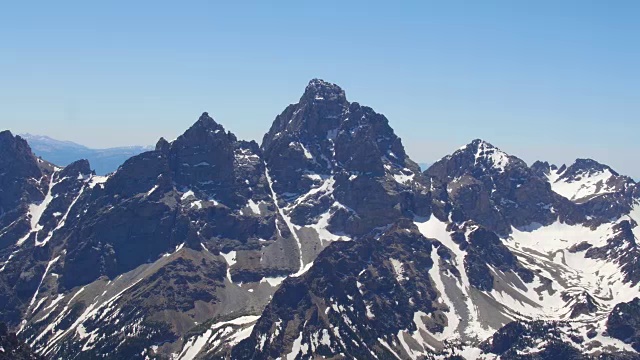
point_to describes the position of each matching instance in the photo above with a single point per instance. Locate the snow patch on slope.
(230, 258)
(235, 330)
(494, 156)
(436, 229)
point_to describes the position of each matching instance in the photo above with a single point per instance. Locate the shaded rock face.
(624, 323)
(191, 191)
(486, 249)
(356, 293)
(11, 348)
(202, 159)
(156, 310)
(21, 183)
(18, 160)
(39, 195)
(353, 152)
(543, 169)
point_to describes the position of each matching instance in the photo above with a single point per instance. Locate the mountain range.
(324, 241)
(63, 153)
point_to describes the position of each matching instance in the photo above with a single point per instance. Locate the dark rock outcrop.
(485, 248)
(624, 323)
(520, 337)
(11, 348)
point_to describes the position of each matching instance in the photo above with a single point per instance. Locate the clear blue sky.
(550, 80)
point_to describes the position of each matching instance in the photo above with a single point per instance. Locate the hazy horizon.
(542, 81)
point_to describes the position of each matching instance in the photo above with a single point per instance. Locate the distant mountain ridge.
(63, 153)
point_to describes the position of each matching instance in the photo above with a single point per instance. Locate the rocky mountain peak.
(585, 180)
(205, 124)
(77, 169)
(328, 158)
(587, 166)
(489, 156)
(5, 136)
(17, 160)
(477, 159)
(316, 116)
(21, 177)
(543, 168)
(327, 132)
(491, 187)
(162, 145)
(320, 90)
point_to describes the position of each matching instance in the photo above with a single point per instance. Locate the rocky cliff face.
(326, 240)
(22, 182)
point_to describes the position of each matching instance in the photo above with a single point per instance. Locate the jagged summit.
(329, 159)
(585, 180)
(5, 134)
(17, 160)
(162, 145)
(589, 166)
(318, 89)
(13, 143)
(480, 145)
(207, 124)
(317, 114)
(475, 143)
(479, 156)
(580, 167)
(544, 168)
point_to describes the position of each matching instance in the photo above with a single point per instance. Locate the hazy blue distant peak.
(45, 141)
(62, 153)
